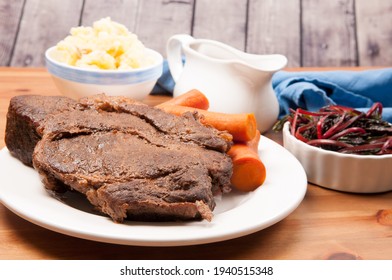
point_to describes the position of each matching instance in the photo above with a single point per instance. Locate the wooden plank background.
(309, 32)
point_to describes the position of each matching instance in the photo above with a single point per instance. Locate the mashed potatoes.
(106, 45)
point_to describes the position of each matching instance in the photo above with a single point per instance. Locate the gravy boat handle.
(174, 53)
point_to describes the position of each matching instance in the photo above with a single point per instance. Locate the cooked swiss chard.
(342, 129)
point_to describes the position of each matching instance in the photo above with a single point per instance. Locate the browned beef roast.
(134, 161)
(25, 114)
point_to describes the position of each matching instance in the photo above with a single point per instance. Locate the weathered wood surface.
(9, 28)
(221, 20)
(274, 27)
(374, 19)
(328, 33)
(309, 32)
(43, 23)
(326, 225)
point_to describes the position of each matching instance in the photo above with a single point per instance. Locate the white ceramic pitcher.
(232, 80)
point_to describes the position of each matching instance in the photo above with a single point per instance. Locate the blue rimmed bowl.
(78, 82)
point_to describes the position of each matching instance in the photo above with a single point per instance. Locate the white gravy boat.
(232, 80)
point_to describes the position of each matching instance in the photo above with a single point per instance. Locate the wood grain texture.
(221, 20)
(10, 13)
(274, 27)
(374, 32)
(309, 32)
(157, 21)
(44, 23)
(328, 33)
(326, 225)
(124, 11)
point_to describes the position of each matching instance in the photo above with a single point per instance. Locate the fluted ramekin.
(338, 171)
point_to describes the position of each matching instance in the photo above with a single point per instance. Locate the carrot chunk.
(193, 98)
(241, 126)
(249, 171)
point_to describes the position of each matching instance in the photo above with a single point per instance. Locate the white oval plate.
(237, 214)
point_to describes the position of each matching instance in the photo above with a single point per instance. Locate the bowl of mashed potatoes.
(103, 58)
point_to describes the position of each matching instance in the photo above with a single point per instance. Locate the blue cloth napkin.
(313, 90)
(165, 83)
